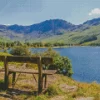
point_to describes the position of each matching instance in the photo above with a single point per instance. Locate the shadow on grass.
(1, 85)
(11, 92)
(3, 92)
(17, 92)
(5, 96)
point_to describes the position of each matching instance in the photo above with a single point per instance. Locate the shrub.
(41, 97)
(20, 51)
(52, 90)
(50, 53)
(62, 64)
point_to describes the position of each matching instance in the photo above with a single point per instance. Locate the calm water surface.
(85, 62)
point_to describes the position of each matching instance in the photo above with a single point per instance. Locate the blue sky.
(27, 12)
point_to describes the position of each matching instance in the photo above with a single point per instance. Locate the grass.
(84, 89)
(25, 88)
(53, 90)
(5, 54)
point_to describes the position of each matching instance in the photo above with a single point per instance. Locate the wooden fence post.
(40, 80)
(6, 76)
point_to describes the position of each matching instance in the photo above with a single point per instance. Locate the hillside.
(78, 36)
(53, 31)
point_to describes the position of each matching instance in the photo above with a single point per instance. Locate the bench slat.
(30, 71)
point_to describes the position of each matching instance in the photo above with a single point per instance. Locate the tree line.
(33, 44)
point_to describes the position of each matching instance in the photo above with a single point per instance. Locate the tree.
(48, 44)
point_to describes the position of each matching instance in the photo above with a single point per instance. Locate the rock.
(67, 88)
(85, 98)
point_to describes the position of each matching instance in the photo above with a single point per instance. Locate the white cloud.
(95, 11)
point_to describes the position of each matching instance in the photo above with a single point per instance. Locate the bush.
(52, 90)
(50, 53)
(20, 51)
(62, 64)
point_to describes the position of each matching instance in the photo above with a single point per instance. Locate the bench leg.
(13, 78)
(6, 81)
(45, 84)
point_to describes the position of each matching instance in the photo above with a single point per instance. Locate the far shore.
(64, 46)
(52, 47)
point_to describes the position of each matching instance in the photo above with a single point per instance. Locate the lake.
(85, 62)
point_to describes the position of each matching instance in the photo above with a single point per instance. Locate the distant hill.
(54, 30)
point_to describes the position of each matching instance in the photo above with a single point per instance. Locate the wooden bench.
(37, 60)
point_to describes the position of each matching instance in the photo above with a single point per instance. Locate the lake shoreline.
(63, 46)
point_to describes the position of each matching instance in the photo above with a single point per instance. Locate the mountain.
(93, 22)
(47, 26)
(53, 30)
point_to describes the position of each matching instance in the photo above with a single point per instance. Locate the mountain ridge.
(55, 23)
(46, 29)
